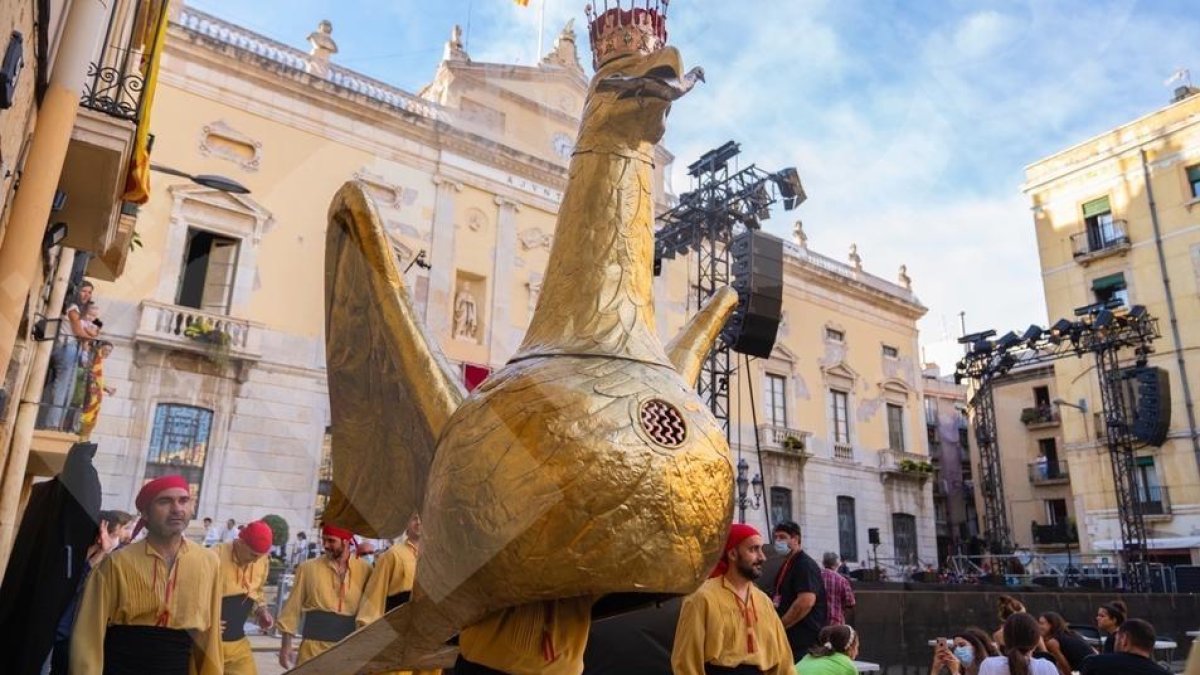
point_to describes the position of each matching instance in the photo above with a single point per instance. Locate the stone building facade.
(467, 174)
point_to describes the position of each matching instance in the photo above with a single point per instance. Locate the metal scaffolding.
(1103, 331)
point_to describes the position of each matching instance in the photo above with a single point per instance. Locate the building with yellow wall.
(1117, 219)
(1034, 468)
(72, 163)
(467, 174)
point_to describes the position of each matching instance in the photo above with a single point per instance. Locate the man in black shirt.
(1133, 656)
(799, 592)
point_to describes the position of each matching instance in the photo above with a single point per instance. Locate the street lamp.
(743, 487)
(206, 180)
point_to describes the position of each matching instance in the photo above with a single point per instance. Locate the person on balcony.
(64, 360)
(96, 389)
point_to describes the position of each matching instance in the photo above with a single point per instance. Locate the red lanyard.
(164, 614)
(750, 615)
(783, 574)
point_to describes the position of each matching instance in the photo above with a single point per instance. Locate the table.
(867, 667)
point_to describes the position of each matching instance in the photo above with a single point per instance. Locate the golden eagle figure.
(586, 474)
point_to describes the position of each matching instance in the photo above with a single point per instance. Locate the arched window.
(179, 443)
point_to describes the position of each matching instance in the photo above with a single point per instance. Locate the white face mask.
(782, 546)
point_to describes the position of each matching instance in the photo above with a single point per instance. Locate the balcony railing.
(905, 463)
(1039, 417)
(116, 77)
(1046, 472)
(1154, 500)
(1055, 533)
(843, 451)
(217, 336)
(1098, 242)
(780, 438)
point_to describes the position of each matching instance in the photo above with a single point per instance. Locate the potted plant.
(794, 444)
(908, 466)
(206, 332)
(1030, 415)
(925, 468)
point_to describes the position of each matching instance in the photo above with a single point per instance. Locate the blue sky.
(910, 122)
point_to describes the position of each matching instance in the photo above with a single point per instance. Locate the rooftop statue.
(585, 477)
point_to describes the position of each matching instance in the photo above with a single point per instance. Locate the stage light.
(1137, 312)
(788, 182)
(1007, 342)
(1031, 335)
(981, 346)
(1103, 318)
(1059, 330)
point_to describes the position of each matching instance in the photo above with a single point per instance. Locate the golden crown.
(618, 32)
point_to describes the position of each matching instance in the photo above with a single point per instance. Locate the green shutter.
(1096, 207)
(1193, 173)
(1144, 461)
(1111, 281)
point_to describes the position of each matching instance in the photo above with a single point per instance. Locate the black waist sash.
(137, 650)
(327, 626)
(234, 611)
(744, 669)
(465, 667)
(394, 601)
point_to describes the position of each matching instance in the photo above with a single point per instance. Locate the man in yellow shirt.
(244, 569)
(391, 581)
(327, 595)
(728, 626)
(155, 605)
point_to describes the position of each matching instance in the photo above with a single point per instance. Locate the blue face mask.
(965, 655)
(782, 546)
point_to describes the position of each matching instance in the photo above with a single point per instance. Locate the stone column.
(441, 258)
(501, 340)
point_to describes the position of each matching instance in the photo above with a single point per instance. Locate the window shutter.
(1096, 207)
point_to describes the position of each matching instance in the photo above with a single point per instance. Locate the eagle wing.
(390, 388)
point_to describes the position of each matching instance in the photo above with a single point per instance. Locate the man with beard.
(799, 596)
(155, 605)
(244, 568)
(728, 626)
(327, 593)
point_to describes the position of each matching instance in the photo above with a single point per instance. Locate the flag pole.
(541, 29)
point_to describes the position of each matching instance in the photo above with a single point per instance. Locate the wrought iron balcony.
(1045, 472)
(1099, 242)
(116, 77)
(1055, 534)
(1039, 417)
(217, 336)
(1153, 500)
(784, 439)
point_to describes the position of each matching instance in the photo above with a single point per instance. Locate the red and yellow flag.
(523, 3)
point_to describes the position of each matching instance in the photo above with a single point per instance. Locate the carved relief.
(535, 238)
(535, 290)
(218, 139)
(385, 192)
(476, 220)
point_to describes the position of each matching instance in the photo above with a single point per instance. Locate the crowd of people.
(1046, 645)
(166, 604)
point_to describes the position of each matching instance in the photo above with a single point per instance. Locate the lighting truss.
(720, 205)
(1101, 330)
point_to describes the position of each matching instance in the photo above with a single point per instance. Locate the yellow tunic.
(394, 571)
(319, 587)
(238, 579)
(130, 588)
(513, 640)
(713, 628)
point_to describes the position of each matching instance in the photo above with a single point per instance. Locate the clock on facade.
(563, 145)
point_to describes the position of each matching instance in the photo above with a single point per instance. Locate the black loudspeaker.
(1151, 404)
(873, 536)
(757, 271)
